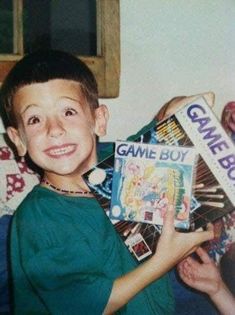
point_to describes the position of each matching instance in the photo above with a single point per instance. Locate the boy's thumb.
(168, 220)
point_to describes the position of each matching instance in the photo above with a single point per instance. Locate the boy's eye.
(70, 112)
(33, 120)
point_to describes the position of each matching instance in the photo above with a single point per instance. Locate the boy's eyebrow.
(71, 98)
(27, 107)
(60, 98)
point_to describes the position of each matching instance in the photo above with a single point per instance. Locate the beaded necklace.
(64, 191)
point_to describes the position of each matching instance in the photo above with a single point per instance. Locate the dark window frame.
(105, 66)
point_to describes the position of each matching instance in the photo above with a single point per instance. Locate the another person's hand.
(203, 276)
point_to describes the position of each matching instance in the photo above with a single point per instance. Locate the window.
(26, 25)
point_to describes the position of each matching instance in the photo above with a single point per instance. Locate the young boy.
(66, 257)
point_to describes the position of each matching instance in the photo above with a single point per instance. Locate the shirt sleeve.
(69, 279)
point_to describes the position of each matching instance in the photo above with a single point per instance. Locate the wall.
(171, 48)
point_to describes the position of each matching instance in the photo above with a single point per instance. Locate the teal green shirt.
(65, 256)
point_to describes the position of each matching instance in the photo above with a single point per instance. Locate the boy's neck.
(66, 189)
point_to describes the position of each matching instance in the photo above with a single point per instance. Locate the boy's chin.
(68, 170)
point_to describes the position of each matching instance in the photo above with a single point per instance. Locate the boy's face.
(56, 126)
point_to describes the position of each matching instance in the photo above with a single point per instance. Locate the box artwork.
(147, 179)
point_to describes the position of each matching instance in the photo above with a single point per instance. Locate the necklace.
(64, 191)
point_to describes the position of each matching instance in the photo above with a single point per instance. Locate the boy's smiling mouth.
(58, 151)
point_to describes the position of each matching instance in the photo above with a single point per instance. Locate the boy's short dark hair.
(42, 66)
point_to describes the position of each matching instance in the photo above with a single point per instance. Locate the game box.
(194, 125)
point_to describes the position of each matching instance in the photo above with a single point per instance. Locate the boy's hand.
(174, 246)
(203, 276)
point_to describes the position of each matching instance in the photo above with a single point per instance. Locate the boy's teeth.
(61, 151)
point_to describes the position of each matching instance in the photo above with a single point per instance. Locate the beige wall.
(169, 48)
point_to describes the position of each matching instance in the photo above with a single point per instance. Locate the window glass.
(6, 27)
(66, 25)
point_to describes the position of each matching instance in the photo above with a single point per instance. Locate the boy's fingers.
(168, 220)
(201, 237)
(205, 235)
(210, 227)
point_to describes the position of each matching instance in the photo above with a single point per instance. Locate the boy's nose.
(55, 128)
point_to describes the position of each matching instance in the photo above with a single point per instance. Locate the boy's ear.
(101, 120)
(15, 137)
